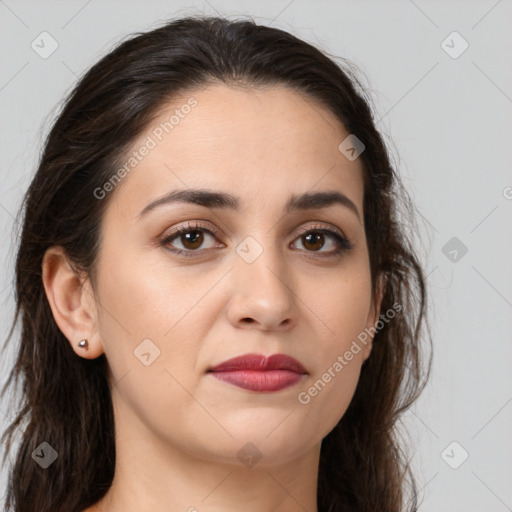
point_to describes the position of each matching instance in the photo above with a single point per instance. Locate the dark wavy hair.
(65, 399)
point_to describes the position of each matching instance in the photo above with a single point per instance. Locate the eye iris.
(314, 238)
(193, 237)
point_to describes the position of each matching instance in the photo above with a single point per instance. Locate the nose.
(262, 295)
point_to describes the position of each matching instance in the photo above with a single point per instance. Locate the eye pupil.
(317, 236)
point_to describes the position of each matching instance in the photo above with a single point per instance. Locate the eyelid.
(320, 227)
(190, 226)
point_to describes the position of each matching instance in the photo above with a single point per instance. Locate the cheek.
(150, 338)
(153, 319)
(340, 355)
(142, 313)
(343, 308)
(343, 305)
(144, 297)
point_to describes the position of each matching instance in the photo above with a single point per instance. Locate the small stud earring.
(83, 344)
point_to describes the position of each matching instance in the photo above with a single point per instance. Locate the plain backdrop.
(444, 104)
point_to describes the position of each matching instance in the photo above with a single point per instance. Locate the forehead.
(254, 142)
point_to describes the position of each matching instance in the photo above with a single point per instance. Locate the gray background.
(448, 123)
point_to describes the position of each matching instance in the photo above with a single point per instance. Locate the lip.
(256, 372)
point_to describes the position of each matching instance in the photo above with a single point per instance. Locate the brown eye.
(192, 239)
(189, 240)
(313, 240)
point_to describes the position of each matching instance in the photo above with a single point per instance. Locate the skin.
(178, 429)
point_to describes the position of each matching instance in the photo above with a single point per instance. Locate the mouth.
(256, 372)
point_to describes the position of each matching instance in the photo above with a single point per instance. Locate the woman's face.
(249, 279)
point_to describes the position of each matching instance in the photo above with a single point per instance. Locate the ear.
(72, 302)
(374, 315)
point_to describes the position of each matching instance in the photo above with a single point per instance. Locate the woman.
(220, 308)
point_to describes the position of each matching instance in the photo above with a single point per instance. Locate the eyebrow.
(223, 200)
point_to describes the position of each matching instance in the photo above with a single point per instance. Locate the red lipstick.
(260, 373)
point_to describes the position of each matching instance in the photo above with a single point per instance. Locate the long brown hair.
(65, 399)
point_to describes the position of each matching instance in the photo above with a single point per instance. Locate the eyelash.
(343, 242)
